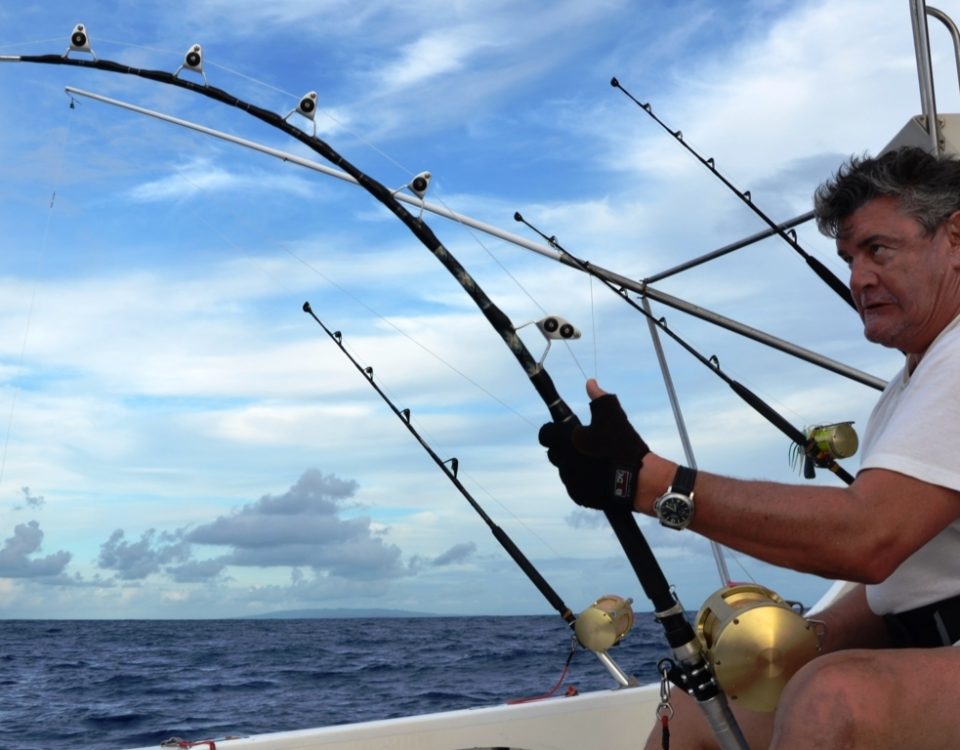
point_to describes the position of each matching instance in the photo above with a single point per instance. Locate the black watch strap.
(684, 480)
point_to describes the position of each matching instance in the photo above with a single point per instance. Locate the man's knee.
(837, 696)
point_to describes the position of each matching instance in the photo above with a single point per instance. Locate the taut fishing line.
(805, 443)
(41, 255)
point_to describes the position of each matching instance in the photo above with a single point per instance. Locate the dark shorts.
(930, 626)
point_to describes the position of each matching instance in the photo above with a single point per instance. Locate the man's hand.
(598, 463)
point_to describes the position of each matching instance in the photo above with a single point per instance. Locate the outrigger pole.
(642, 288)
(693, 672)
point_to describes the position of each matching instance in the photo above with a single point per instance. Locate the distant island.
(331, 614)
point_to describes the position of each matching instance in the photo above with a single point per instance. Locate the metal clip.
(664, 709)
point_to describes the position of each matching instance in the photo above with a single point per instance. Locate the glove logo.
(622, 479)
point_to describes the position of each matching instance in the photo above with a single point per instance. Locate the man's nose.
(862, 274)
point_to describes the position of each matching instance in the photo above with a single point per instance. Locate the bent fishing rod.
(787, 235)
(450, 469)
(642, 288)
(805, 444)
(694, 673)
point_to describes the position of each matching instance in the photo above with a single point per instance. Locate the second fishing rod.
(807, 445)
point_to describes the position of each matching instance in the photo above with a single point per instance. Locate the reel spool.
(755, 642)
(604, 623)
(825, 443)
(837, 440)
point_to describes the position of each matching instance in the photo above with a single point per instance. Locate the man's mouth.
(875, 304)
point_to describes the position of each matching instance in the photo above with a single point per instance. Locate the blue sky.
(180, 440)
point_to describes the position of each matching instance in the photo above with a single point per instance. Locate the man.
(895, 530)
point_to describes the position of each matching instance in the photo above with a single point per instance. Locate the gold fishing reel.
(604, 623)
(825, 443)
(755, 642)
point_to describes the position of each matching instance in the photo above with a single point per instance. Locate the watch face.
(674, 509)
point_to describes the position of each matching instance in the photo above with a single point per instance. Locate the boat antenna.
(788, 236)
(807, 445)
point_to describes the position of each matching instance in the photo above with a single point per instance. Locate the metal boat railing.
(919, 14)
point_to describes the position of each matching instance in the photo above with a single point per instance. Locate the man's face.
(905, 282)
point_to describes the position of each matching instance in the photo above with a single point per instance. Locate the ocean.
(116, 684)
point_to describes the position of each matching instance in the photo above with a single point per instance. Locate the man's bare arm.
(857, 533)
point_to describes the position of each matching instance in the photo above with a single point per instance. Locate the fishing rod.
(694, 671)
(808, 445)
(788, 236)
(450, 468)
(642, 288)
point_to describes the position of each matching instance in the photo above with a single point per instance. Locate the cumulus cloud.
(585, 519)
(30, 501)
(15, 560)
(303, 527)
(136, 560)
(456, 554)
(196, 571)
(432, 55)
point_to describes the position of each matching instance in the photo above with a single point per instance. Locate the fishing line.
(593, 324)
(13, 45)
(217, 229)
(642, 288)
(712, 362)
(269, 86)
(519, 285)
(390, 399)
(454, 216)
(41, 256)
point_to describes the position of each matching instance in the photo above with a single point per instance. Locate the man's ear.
(953, 236)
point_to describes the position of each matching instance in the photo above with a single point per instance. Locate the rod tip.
(517, 216)
(614, 82)
(307, 308)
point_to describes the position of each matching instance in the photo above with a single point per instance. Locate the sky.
(180, 441)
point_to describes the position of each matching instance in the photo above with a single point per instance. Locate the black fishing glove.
(598, 463)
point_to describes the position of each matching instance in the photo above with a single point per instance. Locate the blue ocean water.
(116, 684)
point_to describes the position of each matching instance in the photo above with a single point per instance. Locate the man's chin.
(879, 335)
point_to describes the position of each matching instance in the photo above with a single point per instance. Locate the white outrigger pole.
(641, 288)
(717, 549)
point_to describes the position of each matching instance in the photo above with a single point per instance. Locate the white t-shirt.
(915, 430)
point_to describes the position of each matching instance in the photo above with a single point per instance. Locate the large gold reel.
(604, 623)
(755, 642)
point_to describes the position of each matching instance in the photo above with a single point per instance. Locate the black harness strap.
(930, 626)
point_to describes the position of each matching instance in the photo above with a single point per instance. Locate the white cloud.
(202, 176)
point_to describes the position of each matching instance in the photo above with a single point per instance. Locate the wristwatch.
(674, 507)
